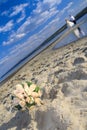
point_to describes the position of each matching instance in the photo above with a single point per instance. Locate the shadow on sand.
(49, 120)
(21, 120)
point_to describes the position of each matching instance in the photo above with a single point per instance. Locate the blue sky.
(25, 24)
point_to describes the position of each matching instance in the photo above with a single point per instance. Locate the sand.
(62, 75)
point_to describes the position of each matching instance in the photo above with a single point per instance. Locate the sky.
(25, 24)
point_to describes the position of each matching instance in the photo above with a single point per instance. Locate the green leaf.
(30, 104)
(28, 83)
(37, 89)
(18, 107)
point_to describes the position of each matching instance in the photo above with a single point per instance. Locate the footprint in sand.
(78, 74)
(86, 54)
(67, 89)
(48, 120)
(79, 60)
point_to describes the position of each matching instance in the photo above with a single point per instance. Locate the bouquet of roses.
(26, 95)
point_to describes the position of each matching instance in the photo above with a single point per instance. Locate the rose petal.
(34, 94)
(39, 93)
(38, 101)
(32, 87)
(26, 89)
(22, 103)
(27, 99)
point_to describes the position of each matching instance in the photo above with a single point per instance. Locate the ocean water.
(68, 39)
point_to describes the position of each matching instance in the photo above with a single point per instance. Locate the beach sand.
(62, 75)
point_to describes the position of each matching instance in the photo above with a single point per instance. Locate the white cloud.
(67, 7)
(21, 17)
(8, 42)
(13, 38)
(5, 13)
(39, 8)
(52, 2)
(18, 9)
(40, 17)
(7, 27)
(20, 35)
